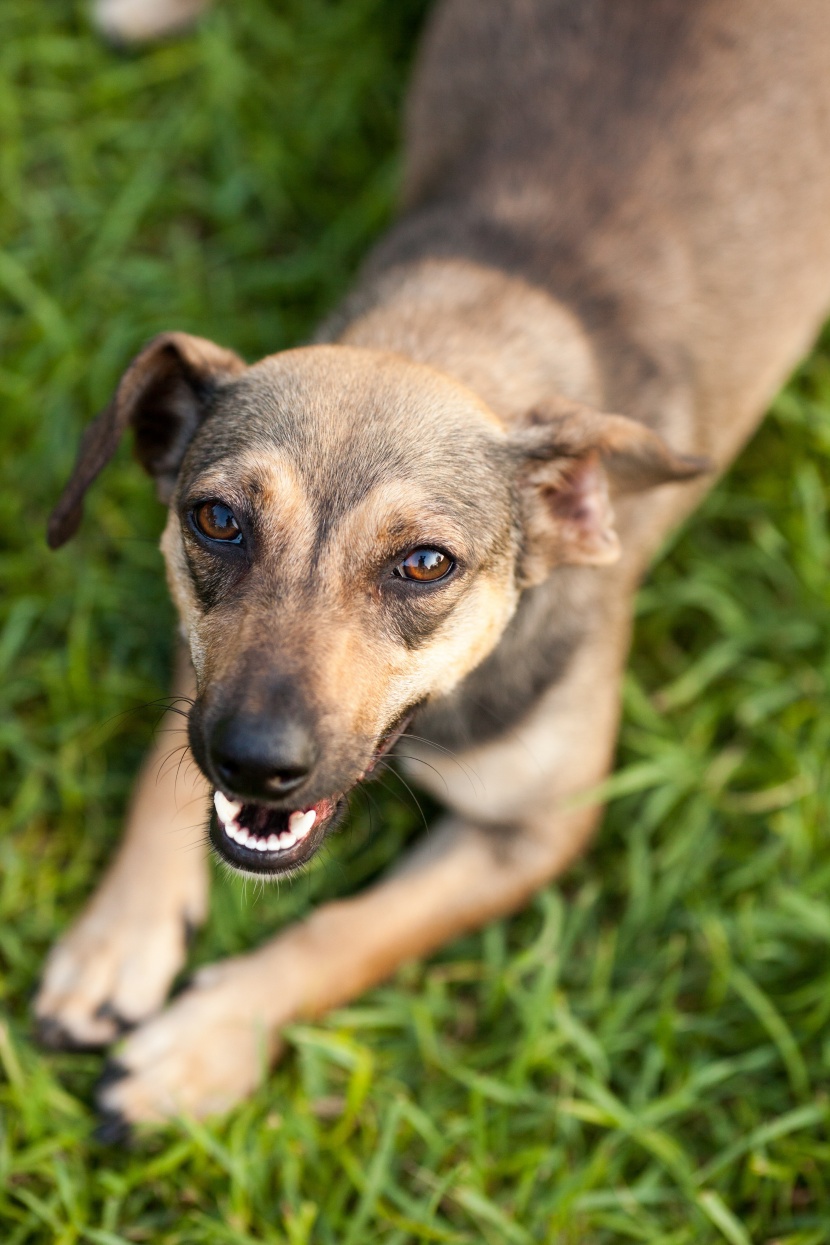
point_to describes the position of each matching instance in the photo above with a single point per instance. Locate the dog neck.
(515, 346)
(508, 341)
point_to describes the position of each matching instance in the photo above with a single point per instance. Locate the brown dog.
(611, 205)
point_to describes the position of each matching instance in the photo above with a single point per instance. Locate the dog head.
(348, 536)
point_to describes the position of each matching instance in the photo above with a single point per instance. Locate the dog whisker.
(166, 761)
(386, 787)
(402, 756)
(507, 728)
(453, 756)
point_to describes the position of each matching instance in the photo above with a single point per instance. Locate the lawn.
(642, 1055)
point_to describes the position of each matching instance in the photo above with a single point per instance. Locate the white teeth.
(299, 824)
(228, 810)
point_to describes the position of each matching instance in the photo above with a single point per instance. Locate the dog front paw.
(114, 967)
(210, 1049)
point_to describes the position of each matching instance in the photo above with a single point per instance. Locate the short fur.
(617, 206)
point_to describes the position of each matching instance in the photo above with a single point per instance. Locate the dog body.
(608, 207)
(625, 205)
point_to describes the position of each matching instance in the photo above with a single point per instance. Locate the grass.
(643, 1055)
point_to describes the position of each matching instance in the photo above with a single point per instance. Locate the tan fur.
(562, 749)
(117, 962)
(365, 680)
(508, 341)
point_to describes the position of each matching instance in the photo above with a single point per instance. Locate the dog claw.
(106, 1011)
(113, 1130)
(52, 1035)
(113, 1072)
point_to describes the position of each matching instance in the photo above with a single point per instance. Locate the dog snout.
(260, 757)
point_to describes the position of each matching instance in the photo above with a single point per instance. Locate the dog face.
(348, 536)
(340, 547)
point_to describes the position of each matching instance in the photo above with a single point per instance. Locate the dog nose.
(261, 759)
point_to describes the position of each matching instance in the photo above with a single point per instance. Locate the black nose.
(261, 758)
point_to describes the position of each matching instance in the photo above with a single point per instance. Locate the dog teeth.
(227, 810)
(299, 824)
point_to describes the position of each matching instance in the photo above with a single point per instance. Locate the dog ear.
(163, 397)
(570, 458)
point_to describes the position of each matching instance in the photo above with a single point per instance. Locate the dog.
(613, 248)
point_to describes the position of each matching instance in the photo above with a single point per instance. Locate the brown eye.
(424, 565)
(216, 520)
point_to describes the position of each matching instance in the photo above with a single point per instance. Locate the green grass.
(644, 1054)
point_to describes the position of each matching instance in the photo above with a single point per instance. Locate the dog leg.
(140, 21)
(213, 1045)
(115, 965)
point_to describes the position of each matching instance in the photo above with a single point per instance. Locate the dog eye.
(216, 521)
(424, 566)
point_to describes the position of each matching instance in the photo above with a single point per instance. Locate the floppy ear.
(163, 397)
(570, 457)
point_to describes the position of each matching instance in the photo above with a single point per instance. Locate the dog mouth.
(269, 842)
(254, 838)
